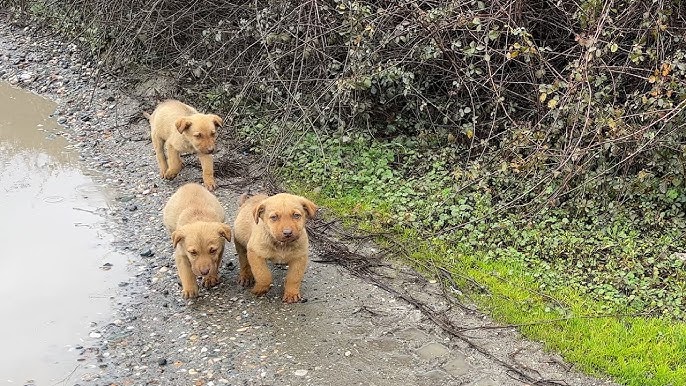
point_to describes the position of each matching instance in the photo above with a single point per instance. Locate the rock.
(300, 373)
(106, 266)
(26, 77)
(162, 362)
(147, 253)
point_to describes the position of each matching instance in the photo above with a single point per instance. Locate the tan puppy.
(272, 228)
(195, 219)
(176, 128)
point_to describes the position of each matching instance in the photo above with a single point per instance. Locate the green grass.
(634, 351)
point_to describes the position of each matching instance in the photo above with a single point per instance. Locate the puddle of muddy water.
(55, 280)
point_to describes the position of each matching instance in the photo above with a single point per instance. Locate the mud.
(349, 331)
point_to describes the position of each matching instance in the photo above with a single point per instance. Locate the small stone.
(106, 266)
(95, 335)
(300, 373)
(26, 77)
(192, 372)
(162, 362)
(147, 253)
(347, 353)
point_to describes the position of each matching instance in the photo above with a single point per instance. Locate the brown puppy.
(195, 219)
(177, 128)
(272, 228)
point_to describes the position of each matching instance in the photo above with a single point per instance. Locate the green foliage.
(548, 103)
(625, 262)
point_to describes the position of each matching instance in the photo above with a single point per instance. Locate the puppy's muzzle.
(204, 271)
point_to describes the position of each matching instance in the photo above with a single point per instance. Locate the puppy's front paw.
(210, 184)
(245, 280)
(291, 297)
(260, 290)
(210, 281)
(189, 292)
(170, 174)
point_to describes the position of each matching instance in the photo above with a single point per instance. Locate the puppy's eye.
(193, 253)
(213, 250)
(197, 135)
(297, 216)
(273, 217)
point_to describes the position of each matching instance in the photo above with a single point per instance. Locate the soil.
(365, 321)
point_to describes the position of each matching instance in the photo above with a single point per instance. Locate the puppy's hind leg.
(158, 144)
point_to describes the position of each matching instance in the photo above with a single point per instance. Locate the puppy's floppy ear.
(309, 207)
(217, 120)
(182, 124)
(177, 236)
(257, 213)
(225, 231)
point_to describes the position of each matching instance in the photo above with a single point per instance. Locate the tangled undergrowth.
(547, 132)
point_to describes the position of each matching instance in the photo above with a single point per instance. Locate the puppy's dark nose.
(287, 232)
(210, 150)
(205, 271)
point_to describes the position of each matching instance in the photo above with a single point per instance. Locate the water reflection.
(51, 284)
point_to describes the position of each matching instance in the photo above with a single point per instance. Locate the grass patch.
(602, 289)
(635, 351)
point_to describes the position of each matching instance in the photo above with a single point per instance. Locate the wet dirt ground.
(388, 328)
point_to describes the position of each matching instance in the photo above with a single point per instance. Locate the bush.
(486, 116)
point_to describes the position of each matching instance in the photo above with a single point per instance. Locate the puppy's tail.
(146, 115)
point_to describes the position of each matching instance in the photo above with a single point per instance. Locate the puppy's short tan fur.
(176, 128)
(272, 228)
(195, 219)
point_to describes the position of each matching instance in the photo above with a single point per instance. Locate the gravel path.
(349, 331)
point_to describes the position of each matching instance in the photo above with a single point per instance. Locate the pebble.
(147, 253)
(162, 362)
(300, 373)
(95, 335)
(26, 77)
